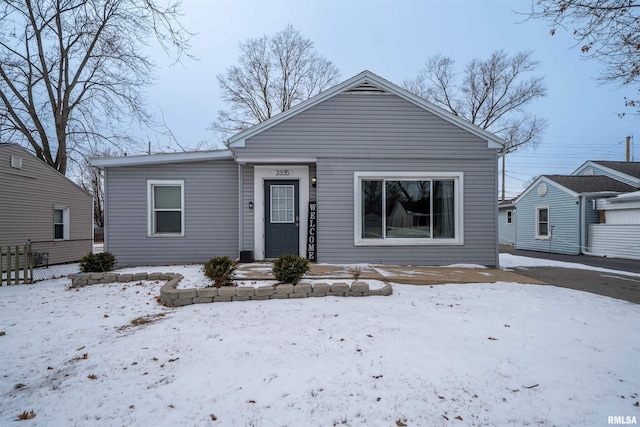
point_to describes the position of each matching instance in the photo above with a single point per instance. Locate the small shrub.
(221, 270)
(290, 268)
(97, 263)
(356, 272)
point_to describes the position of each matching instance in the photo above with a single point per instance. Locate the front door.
(282, 218)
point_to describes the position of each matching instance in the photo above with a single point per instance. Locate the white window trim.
(267, 173)
(509, 216)
(66, 222)
(150, 220)
(537, 223)
(458, 179)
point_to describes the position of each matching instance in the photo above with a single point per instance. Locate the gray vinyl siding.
(372, 132)
(247, 213)
(364, 126)
(28, 197)
(564, 217)
(335, 241)
(211, 213)
(506, 232)
(591, 216)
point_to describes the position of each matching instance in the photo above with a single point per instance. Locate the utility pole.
(628, 148)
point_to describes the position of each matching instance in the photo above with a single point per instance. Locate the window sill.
(542, 237)
(408, 242)
(165, 235)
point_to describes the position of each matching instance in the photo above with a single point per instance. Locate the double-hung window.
(408, 208)
(61, 229)
(166, 207)
(542, 223)
(509, 217)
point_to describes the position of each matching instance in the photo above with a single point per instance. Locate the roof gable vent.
(365, 87)
(16, 162)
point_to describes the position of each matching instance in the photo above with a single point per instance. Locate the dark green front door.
(282, 218)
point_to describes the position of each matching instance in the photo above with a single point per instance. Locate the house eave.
(154, 159)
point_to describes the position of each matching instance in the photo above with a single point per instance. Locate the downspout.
(240, 211)
(583, 227)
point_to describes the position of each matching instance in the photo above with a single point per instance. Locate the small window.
(509, 217)
(166, 208)
(61, 223)
(542, 223)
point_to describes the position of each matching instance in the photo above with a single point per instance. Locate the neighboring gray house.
(40, 204)
(319, 180)
(554, 213)
(506, 222)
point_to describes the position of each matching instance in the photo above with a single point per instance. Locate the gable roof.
(367, 81)
(631, 169)
(578, 185)
(627, 168)
(591, 184)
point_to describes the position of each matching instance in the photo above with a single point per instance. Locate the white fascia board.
(276, 160)
(152, 159)
(583, 167)
(492, 140)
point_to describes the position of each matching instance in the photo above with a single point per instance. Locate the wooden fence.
(15, 265)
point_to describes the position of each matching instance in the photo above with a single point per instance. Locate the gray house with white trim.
(42, 205)
(321, 180)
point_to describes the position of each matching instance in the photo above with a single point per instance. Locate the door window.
(282, 204)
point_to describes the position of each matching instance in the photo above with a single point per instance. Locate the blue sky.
(393, 39)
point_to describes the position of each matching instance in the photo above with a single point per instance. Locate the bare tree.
(604, 30)
(274, 74)
(72, 72)
(492, 94)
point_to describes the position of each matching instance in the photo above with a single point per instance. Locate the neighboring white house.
(618, 234)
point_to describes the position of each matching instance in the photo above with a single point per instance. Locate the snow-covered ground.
(483, 354)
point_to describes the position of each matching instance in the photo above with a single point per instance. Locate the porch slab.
(409, 275)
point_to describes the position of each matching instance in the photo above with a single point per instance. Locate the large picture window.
(166, 208)
(407, 209)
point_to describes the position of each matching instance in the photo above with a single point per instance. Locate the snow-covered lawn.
(482, 354)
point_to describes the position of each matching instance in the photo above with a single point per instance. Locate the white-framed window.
(61, 227)
(542, 222)
(509, 216)
(407, 208)
(166, 207)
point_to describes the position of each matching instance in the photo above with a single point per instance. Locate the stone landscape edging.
(173, 297)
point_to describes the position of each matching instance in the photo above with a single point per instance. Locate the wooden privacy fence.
(15, 265)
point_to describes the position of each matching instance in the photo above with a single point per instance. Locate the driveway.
(615, 285)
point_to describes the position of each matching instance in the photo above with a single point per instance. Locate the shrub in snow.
(221, 270)
(290, 268)
(97, 263)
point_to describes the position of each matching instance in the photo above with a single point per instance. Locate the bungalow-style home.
(364, 172)
(42, 206)
(556, 212)
(506, 222)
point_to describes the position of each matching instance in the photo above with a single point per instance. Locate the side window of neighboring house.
(61, 229)
(542, 223)
(509, 217)
(166, 208)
